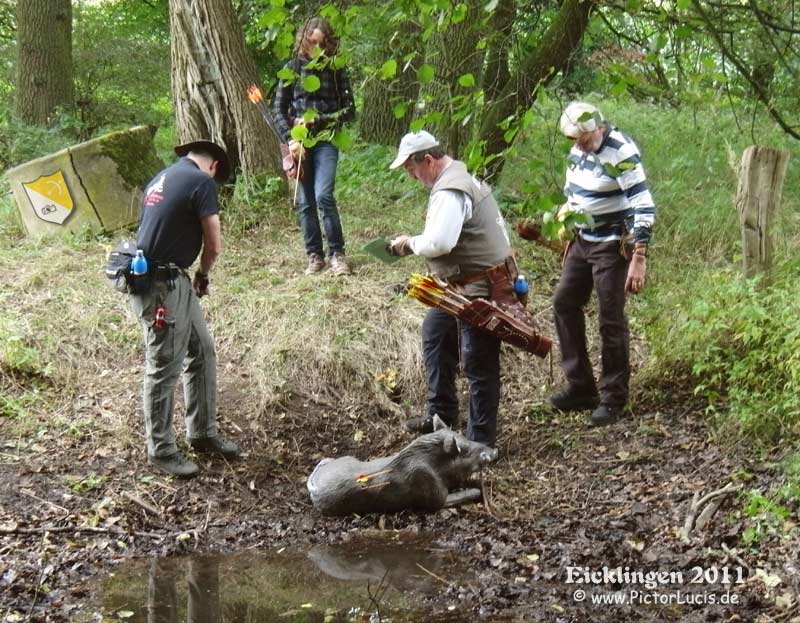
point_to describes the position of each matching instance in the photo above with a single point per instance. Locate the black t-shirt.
(175, 201)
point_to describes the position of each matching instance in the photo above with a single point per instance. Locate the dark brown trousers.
(599, 266)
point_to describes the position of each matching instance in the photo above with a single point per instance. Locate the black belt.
(615, 229)
(167, 272)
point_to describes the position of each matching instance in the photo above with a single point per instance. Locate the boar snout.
(487, 456)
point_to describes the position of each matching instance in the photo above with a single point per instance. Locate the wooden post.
(761, 175)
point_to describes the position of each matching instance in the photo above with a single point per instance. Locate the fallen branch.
(487, 499)
(139, 502)
(433, 575)
(733, 555)
(90, 529)
(706, 506)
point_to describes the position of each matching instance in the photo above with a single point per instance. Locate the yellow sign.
(50, 198)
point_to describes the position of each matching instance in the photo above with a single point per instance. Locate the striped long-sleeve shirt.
(609, 186)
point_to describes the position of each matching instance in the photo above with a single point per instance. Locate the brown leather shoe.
(315, 264)
(339, 264)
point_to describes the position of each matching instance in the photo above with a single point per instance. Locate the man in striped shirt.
(606, 184)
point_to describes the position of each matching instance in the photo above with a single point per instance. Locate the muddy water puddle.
(399, 579)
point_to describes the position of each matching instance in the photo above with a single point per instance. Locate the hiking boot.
(315, 264)
(606, 414)
(573, 398)
(422, 425)
(175, 464)
(339, 264)
(215, 445)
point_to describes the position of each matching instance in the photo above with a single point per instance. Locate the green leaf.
(619, 88)
(417, 125)
(466, 80)
(286, 74)
(489, 7)
(343, 139)
(389, 69)
(459, 13)
(425, 73)
(399, 110)
(275, 16)
(299, 132)
(311, 84)
(683, 4)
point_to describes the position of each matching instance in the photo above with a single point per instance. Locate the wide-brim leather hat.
(211, 148)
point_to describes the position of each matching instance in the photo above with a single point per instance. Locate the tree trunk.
(535, 70)
(44, 59)
(211, 71)
(377, 122)
(452, 53)
(496, 74)
(758, 196)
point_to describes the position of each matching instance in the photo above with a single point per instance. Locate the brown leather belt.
(507, 267)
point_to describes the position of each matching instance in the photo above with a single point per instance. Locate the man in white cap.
(606, 183)
(464, 236)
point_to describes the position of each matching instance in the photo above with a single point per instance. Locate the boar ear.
(438, 424)
(450, 445)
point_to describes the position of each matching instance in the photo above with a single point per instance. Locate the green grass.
(290, 335)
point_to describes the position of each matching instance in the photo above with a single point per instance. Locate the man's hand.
(401, 246)
(200, 284)
(296, 148)
(636, 272)
(528, 230)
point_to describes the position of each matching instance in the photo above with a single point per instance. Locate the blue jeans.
(316, 195)
(481, 356)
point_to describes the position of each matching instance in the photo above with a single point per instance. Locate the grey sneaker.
(175, 464)
(339, 264)
(315, 264)
(215, 445)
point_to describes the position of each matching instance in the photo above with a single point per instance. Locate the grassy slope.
(348, 343)
(307, 364)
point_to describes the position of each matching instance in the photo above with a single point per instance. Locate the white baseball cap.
(412, 143)
(570, 125)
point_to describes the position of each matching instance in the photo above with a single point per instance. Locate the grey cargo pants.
(183, 345)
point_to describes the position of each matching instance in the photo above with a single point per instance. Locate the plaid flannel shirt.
(333, 101)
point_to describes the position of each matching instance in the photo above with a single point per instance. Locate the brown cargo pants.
(599, 266)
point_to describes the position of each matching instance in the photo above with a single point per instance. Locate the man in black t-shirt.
(179, 219)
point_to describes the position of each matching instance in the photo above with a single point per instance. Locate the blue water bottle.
(139, 263)
(139, 270)
(521, 289)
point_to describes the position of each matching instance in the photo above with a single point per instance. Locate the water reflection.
(343, 583)
(203, 603)
(402, 567)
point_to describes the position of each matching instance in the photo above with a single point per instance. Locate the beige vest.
(483, 242)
